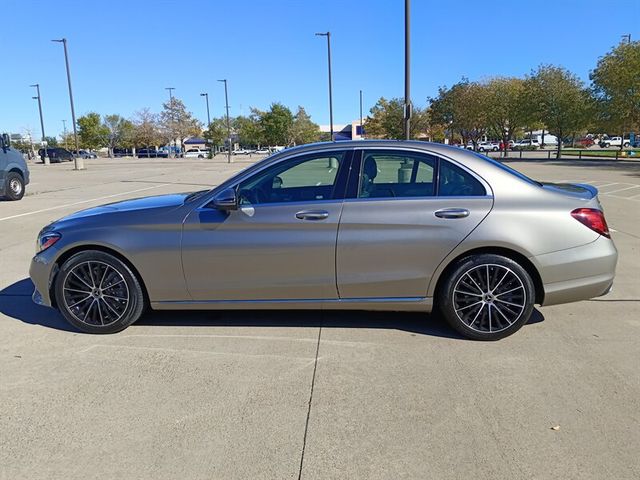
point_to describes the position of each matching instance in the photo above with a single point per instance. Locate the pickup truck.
(614, 142)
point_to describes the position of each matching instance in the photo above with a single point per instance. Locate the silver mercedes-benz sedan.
(367, 225)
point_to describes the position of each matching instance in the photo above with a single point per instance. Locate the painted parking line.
(57, 207)
(622, 189)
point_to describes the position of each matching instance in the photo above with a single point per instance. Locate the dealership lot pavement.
(313, 395)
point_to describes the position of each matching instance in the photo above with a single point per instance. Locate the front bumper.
(42, 271)
(578, 273)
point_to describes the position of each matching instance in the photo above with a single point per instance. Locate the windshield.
(512, 171)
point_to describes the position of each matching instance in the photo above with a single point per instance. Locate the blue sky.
(124, 53)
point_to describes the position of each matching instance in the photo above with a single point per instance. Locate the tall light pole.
(37, 97)
(206, 96)
(407, 69)
(64, 131)
(226, 101)
(361, 129)
(171, 89)
(328, 35)
(78, 161)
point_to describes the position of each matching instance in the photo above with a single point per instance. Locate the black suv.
(14, 173)
(57, 154)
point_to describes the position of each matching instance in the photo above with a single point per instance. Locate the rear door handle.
(312, 214)
(452, 213)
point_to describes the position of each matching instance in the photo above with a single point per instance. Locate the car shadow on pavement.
(16, 302)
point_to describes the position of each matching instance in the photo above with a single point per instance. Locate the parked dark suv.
(14, 173)
(57, 154)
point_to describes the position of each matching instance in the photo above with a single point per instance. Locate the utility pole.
(361, 129)
(77, 160)
(64, 130)
(206, 95)
(407, 69)
(226, 101)
(171, 89)
(44, 144)
(328, 35)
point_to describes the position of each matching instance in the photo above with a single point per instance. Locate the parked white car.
(263, 151)
(526, 143)
(488, 147)
(241, 151)
(195, 153)
(614, 142)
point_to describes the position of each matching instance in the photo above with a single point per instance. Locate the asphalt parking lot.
(313, 395)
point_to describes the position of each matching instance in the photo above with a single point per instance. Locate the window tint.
(454, 181)
(388, 174)
(299, 179)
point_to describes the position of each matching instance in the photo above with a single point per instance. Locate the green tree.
(249, 129)
(303, 130)
(91, 132)
(146, 131)
(560, 100)
(506, 108)
(386, 120)
(177, 123)
(216, 134)
(463, 108)
(52, 142)
(276, 124)
(120, 132)
(616, 88)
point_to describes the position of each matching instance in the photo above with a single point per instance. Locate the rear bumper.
(578, 273)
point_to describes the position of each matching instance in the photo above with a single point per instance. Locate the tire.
(480, 314)
(14, 186)
(88, 275)
(627, 145)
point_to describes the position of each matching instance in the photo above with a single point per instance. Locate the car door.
(402, 216)
(280, 243)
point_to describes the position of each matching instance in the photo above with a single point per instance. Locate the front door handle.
(312, 214)
(452, 213)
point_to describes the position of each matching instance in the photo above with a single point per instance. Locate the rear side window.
(389, 174)
(455, 182)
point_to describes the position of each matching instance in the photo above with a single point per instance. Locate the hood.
(137, 204)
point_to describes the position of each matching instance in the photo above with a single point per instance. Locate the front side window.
(300, 179)
(388, 174)
(453, 181)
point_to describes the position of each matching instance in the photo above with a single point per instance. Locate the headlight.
(46, 239)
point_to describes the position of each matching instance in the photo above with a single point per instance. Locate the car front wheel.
(98, 293)
(14, 186)
(487, 297)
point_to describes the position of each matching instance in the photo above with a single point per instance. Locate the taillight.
(592, 218)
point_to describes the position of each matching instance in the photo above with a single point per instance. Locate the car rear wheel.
(97, 293)
(14, 186)
(487, 297)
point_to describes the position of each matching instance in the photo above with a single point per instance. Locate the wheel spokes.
(489, 298)
(95, 293)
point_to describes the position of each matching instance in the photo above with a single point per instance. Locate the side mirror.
(226, 200)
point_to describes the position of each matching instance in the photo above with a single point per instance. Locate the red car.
(586, 142)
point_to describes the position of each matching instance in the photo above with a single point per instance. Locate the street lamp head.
(35, 98)
(223, 80)
(321, 34)
(204, 94)
(36, 85)
(62, 40)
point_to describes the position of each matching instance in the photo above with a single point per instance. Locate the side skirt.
(413, 304)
